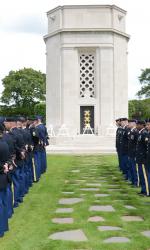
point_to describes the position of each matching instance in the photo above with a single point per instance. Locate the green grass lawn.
(31, 224)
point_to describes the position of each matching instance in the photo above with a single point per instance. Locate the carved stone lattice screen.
(87, 74)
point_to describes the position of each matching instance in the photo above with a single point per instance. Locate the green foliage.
(144, 79)
(23, 88)
(40, 109)
(14, 111)
(139, 109)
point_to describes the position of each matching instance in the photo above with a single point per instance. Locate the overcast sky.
(24, 22)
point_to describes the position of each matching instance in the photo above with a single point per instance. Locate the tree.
(139, 109)
(40, 109)
(144, 79)
(24, 88)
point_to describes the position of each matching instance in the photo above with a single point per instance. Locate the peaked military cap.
(132, 120)
(147, 120)
(123, 119)
(139, 122)
(10, 119)
(21, 118)
(38, 117)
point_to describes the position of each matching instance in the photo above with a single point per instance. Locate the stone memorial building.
(87, 79)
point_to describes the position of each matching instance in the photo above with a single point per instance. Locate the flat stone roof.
(86, 7)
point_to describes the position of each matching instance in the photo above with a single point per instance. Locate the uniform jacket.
(4, 156)
(147, 139)
(118, 137)
(141, 147)
(124, 140)
(132, 141)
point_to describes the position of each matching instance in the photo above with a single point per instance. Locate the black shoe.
(141, 194)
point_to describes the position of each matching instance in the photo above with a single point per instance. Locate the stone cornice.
(86, 7)
(87, 30)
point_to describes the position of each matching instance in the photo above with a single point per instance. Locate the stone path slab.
(131, 218)
(72, 235)
(89, 189)
(113, 189)
(75, 171)
(146, 233)
(63, 220)
(130, 207)
(67, 192)
(101, 195)
(113, 185)
(96, 219)
(93, 184)
(109, 228)
(107, 208)
(70, 201)
(80, 180)
(117, 240)
(64, 210)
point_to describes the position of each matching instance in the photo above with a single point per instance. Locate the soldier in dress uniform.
(36, 151)
(147, 165)
(118, 134)
(43, 135)
(18, 174)
(132, 141)
(4, 157)
(10, 189)
(124, 148)
(141, 150)
(29, 149)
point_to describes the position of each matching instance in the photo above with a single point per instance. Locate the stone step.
(85, 140)
(80, 150)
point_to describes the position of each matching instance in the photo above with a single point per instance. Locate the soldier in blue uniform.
(36, 152)
(147, 165)
(4, 157)
(141, 150)
(118, 136)
(132, 141)
(18, 174)
(25, 132)
(124, 148)
(43, 136)
(29, 149)
(10, 190)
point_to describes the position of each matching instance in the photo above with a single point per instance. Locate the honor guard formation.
(22, 161)
(133, 149)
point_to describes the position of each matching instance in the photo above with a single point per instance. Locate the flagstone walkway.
(96, 202)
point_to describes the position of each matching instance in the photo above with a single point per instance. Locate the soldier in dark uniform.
(43, 135)
(4, 157)
(29, 149)
(10, 189)
(18, 175)
(36, 151)
(118, 134)
(141, 150)
(22, 126)
(147, 165)
(132, 141)
(124, 148)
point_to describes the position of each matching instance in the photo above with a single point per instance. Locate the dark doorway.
(86, 119)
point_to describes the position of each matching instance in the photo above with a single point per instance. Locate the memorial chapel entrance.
(86, 119)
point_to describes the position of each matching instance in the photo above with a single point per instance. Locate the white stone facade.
(86, 50)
